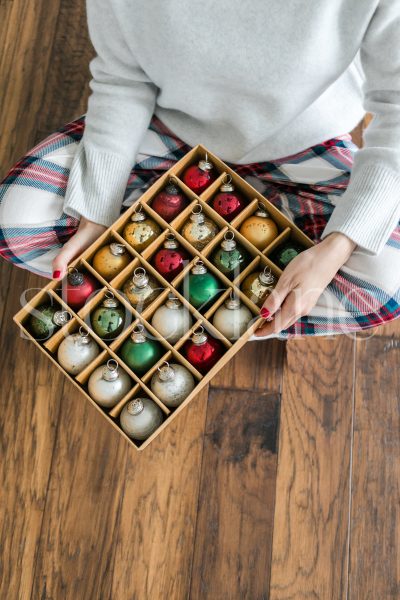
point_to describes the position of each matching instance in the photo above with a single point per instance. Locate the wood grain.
(312, 489)
(236, 502)
(375, 508)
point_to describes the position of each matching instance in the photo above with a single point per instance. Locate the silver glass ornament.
(172, 383)
(140, 418)
(232, 318)
(108, 384)
(77, 351)
(172, 320)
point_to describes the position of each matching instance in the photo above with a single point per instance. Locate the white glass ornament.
(172, 320)
(140, 417)
(232, 318)
(172, 384)
(77, 351)
(108, 384)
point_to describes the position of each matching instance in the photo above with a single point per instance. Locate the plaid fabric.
(305, 186)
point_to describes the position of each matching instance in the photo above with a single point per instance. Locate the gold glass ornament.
(259, 229)
(141, 231)
(111, 260)
(141, 289)
(198, 230)
(257, 286)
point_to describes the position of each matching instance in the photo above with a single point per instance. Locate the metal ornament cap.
(197, 215)
(227, 186)
(172, 188)
(74, 277)
(205, 164)
(229, 242)
(137, 335)
(262, 212)
(110, 301)
(110, 371)
(135, 407)
(233, 302)
(117, 249)
(61, 317)
(266, 277)
(199, 336)
(199, 268)
(166, 372)
(140, 278)
(171, 242)
(173, 303)
(138, 214)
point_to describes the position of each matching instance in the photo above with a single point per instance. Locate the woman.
(273, 91)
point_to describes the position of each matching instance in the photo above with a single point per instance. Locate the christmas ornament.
(169, 202)
(202, 350)
(108, 384)
(142, 289)
(77, 351)
(232, 318)
(170, 260)
(228, 203)
(284, 254)
(78, 287)
(45, 319)
(259, 229)
(108, 318)
(172, 320)
(140, 418)
(139, 352)
(111, 260)
(198, 230)
(200, 286)
(230, 258)
(257, 286)
(172, 384)
(141, 231)
(199, 177)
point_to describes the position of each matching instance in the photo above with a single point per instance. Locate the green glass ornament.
(139, 352)
(230, 258)
(284, 254)
(108, 319)
(200, 286)
(45, 320)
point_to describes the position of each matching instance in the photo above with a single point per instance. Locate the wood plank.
(375, 509)
(155, 536)
(311, 511)
(30, 402)
(257, 366)
(236, 501)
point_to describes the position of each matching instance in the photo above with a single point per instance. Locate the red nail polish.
(56, 274)
(265, 313)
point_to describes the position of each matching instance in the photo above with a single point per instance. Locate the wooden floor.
(281, 481)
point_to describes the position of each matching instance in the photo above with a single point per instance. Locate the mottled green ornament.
(139, 352)
(284, 254)
(200, 286)
(230, 258)
(108, 318)
(45, 320)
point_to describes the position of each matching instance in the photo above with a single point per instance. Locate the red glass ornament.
(170, 260)
(227, 202)
(199, 177)
(77, 288)
(203, 351)
(169, 202)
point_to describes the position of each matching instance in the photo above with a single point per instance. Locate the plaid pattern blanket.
(305, 186)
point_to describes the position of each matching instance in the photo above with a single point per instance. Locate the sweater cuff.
(96, 185)
(369, 209)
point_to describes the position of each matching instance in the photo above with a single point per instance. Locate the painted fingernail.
(265, 313)
(56, 274)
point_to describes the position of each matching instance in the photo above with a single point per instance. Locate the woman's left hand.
(303, 281)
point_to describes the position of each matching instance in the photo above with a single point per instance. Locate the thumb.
(275, 299)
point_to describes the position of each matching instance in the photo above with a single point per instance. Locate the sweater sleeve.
(369, 209)
(120, 108)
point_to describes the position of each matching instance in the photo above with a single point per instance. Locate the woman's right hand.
(85, 235)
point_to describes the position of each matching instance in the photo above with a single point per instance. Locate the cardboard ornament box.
(52, 293)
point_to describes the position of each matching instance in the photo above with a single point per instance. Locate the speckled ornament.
(45, 320)
(141, 289)
(111, 260)
(108, 318)
(169, 202)
(141, 231)
(257, 286)
(259, 229)
(140, 418)
(228, 202)
(230, 257)
(172, 383)
(108, 384)
(285, 253)
(170, 260)
(198, 230)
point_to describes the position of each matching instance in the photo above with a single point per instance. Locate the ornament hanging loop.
(84, 336)
(199, 209)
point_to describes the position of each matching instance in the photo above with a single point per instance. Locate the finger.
(275, 299)
(75, 245)
(288, 314)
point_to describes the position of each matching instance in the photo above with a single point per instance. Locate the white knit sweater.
(252, 80)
